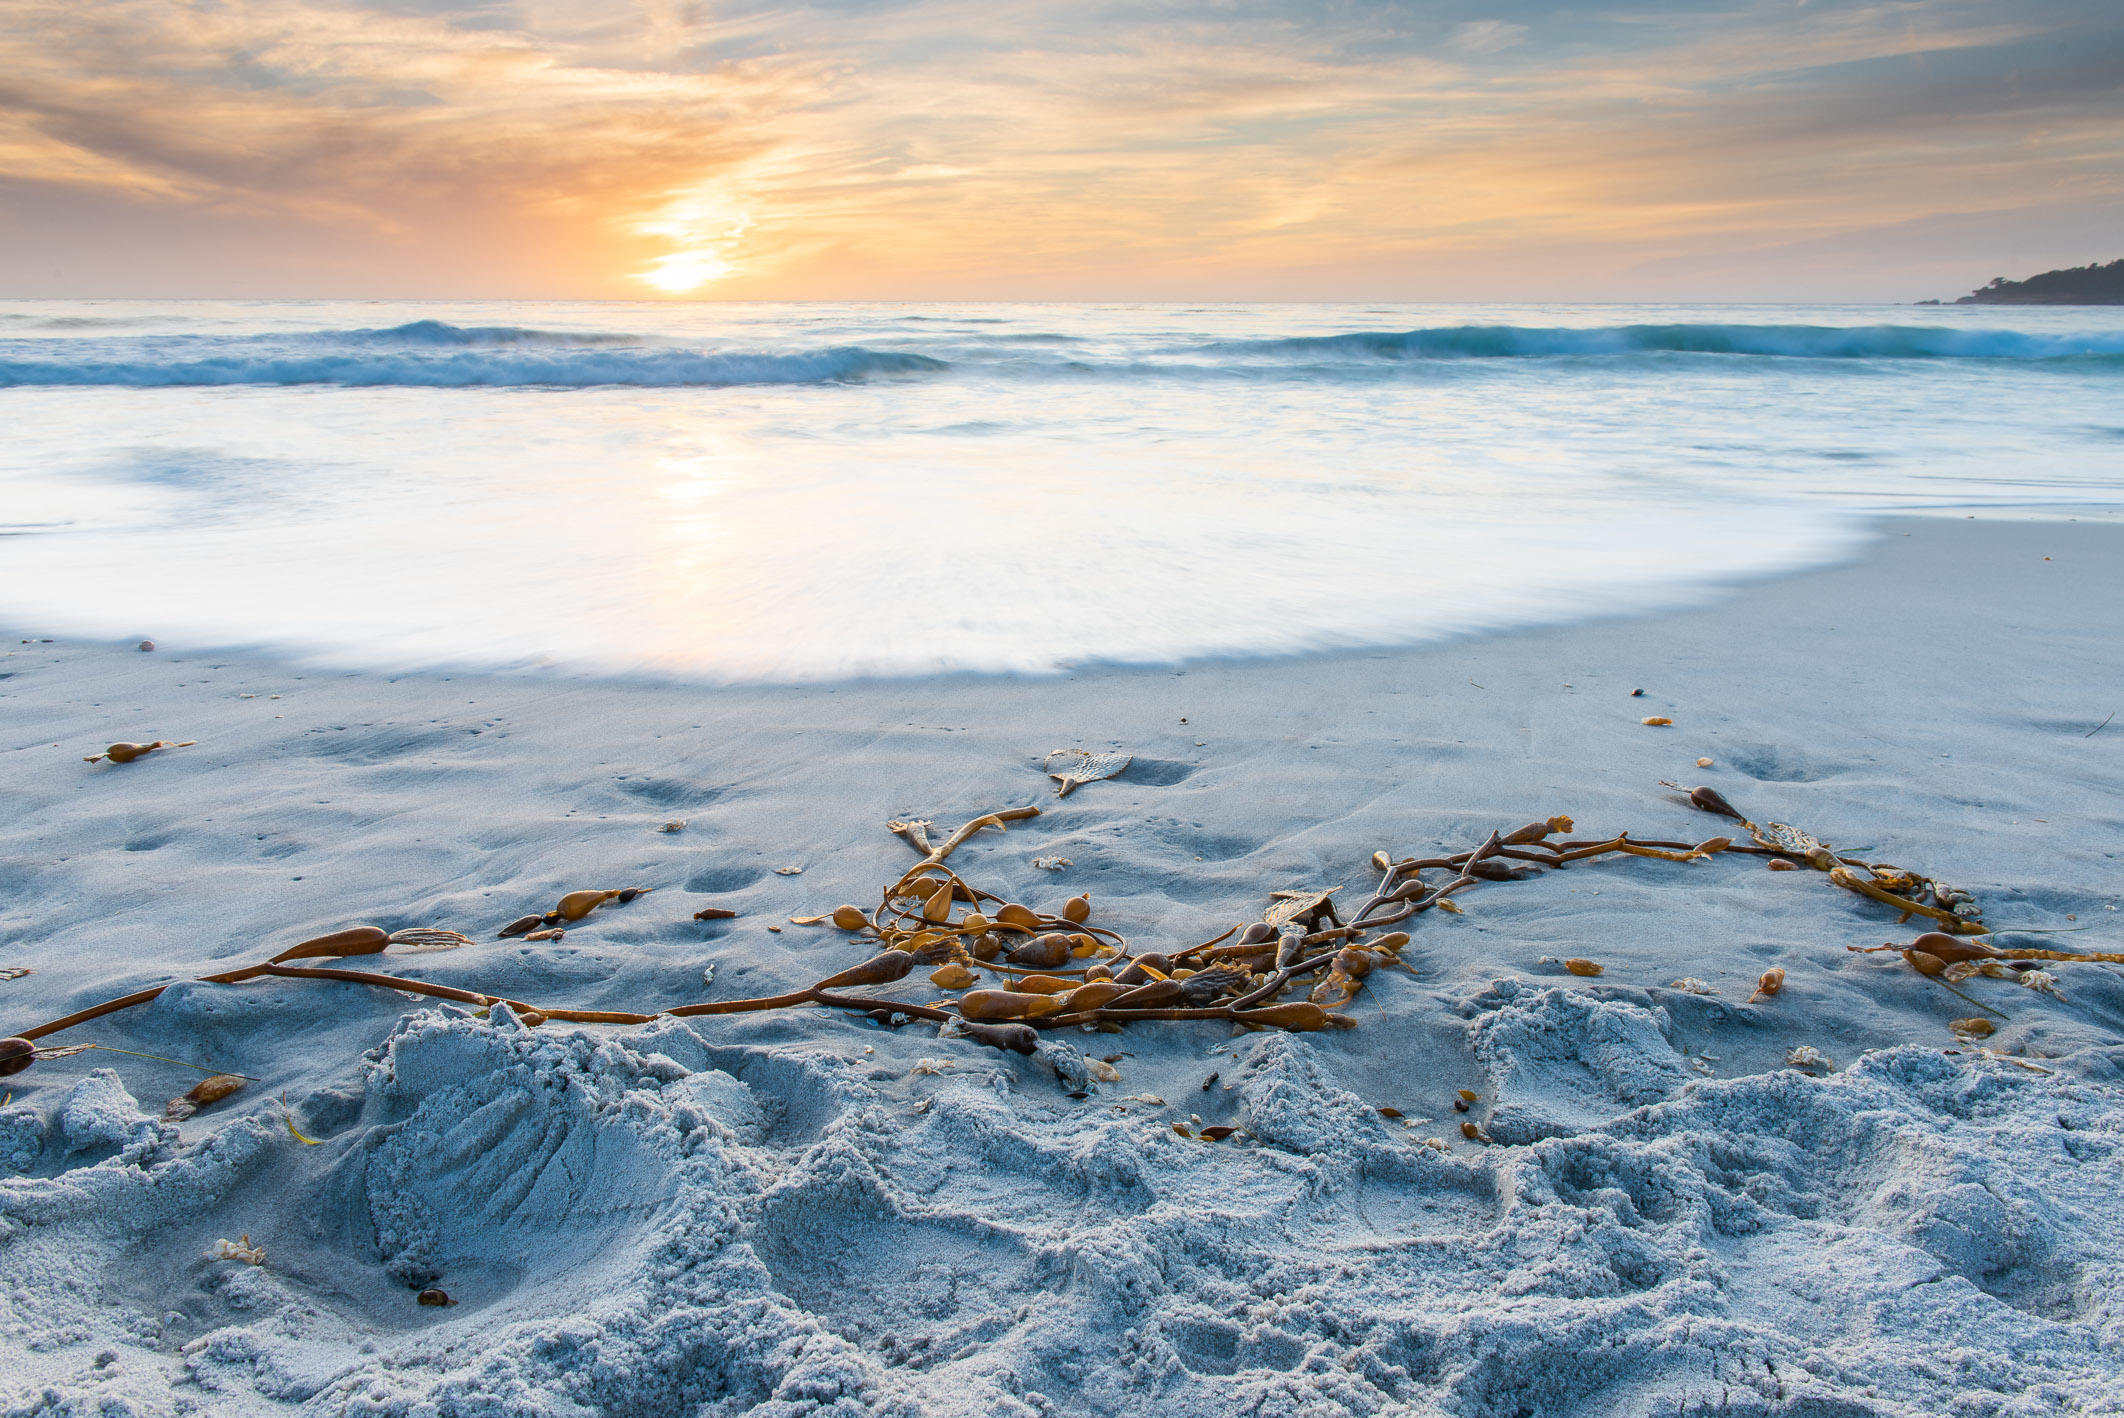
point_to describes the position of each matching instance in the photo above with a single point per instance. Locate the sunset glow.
(942, 149)
(704, 233)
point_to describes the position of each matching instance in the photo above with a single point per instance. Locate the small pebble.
(434, 1296)
(147, 644)
(1703, 763)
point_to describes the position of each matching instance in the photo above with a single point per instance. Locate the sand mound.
(650, 1224)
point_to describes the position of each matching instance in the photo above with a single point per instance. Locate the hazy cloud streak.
(952, 148)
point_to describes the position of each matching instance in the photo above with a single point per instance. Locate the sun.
(684, 271)
(703, 228)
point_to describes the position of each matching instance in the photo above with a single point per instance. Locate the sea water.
(793, 492)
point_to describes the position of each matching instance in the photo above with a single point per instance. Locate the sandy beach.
(801, 1212)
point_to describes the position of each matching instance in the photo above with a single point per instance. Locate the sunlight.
(704, 228)
(684, 271)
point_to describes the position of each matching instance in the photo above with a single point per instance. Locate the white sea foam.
(796, 492)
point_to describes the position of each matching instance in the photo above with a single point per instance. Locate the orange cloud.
(949, 148)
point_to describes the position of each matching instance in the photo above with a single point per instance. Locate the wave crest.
(441, 332)
(1780, 341)
(560, 369)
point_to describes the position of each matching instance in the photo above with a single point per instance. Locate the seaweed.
(1006, 970)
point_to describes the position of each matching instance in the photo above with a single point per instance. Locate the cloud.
(1485, 36)
(947, 147)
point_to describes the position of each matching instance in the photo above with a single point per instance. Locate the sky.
(997, 149)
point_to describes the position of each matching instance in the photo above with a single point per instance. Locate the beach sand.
(781, 1213)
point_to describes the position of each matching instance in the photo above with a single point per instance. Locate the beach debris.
(925, 1067)
(1771, 982)
(1304, 909)
(1808, 1058)
(421, 939)
(1008, 1004)
(287, 1117)
(1950, 961)
(1657, 721)
(1971, 1029)
(1711, 800)
(520, 926)
(1064, 969)
(1690, 985)
(1467, 1099)
(676, 824)
(578, 904)
(128, 752)
(715, 913)
(1071, 1069)
(1637, 694)
(433, 1295)
(1043, 952)
(16, 1055)
(1053, 863)
(1997, 1057)
(707, 974)
(1473, 1132)
(147, 645)
(241, 1250)
(1017, 1038)
(15, 972)
(1082, 766)
(1703, 763)
(788, 871)
(1911, 893)
(2042, 982)
(204, 1093)
(1782, 864)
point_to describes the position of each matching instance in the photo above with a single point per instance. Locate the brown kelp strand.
(1935, 952)
(1006, 969)
(1912, 893)
(130, 752)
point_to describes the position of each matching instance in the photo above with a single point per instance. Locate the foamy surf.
(436, 354)
(809, 492)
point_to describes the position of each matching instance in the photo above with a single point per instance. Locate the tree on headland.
(2075, 285)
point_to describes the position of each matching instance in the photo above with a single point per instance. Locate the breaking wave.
(441, 332)
(509, 368)
(1781, 341)
(435, 354)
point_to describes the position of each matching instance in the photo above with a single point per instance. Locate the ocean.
(801, 492)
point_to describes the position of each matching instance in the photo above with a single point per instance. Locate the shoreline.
(1937, 702)
(1659, 599)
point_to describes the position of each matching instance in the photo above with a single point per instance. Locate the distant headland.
(2075, 285)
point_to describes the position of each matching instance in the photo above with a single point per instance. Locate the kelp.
(1006, 970)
